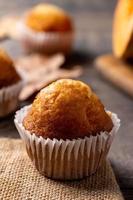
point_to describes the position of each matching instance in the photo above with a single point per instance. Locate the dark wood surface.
(93, 21)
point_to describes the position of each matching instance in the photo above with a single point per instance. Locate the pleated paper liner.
(66, 159)
(14, 27)
(19, 180)
(46, 42)
(9, 97)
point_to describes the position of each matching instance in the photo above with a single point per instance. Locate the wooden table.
(93, 37)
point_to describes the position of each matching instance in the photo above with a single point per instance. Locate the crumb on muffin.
(67, 109)
(8, 74)
(49, 18)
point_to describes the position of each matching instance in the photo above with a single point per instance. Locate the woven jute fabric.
(19, 180)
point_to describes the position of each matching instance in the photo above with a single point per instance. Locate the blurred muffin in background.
(10, 85)
(48, 18)
(66, 130)
(123, 30)
(46, 28)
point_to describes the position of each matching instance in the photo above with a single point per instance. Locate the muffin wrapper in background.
(66, 159)
(46, 42)
(9, 97)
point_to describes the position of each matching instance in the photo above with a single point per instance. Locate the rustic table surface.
(93, 21)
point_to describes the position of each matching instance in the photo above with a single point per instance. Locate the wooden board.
(117, 71)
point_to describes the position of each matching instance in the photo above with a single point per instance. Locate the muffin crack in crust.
(67, 109)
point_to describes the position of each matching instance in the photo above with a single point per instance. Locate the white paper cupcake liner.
(44, 42)
(66, 159)
(9, 97)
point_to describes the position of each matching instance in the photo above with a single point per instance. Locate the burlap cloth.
(19, 180)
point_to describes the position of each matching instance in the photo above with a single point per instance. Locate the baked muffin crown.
(8, 74)
(48, 18)
(67, 109)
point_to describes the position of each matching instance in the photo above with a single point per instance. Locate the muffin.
(10, 85)
(66, 130)
(46, 28)
(66, 105)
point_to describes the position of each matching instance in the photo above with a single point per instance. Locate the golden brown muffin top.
(67, 109)
(49, 18)
(8, 74)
